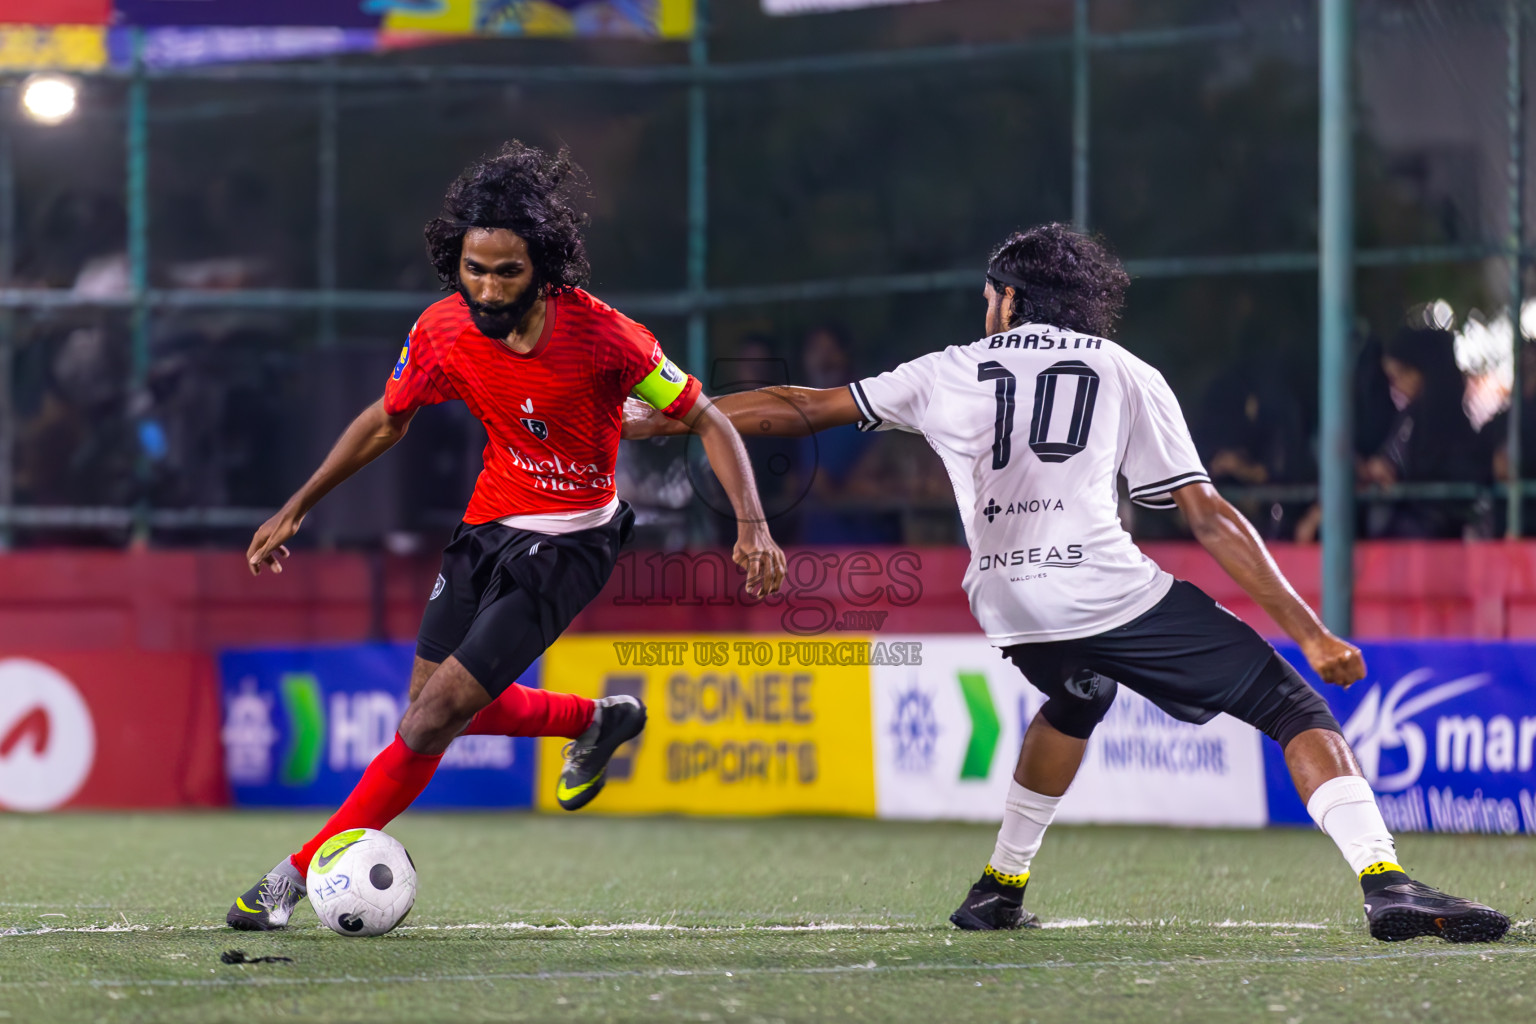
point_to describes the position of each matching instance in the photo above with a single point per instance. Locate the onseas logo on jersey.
(1065, 556)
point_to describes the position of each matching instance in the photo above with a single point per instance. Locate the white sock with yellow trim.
(1345, 809)
(1026, 816)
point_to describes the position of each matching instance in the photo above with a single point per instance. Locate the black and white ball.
(361, 882)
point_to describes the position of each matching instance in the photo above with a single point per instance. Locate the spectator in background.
(1429, 440)
(1497, 434)
(1250, 433)
(834, 457)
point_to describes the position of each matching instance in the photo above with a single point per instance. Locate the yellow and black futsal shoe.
(1398, 908)
(615, 721)
(995, 903)
(266, 905)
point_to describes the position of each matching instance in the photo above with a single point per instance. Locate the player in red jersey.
(547, 368)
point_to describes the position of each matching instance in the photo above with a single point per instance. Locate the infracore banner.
(947, 735)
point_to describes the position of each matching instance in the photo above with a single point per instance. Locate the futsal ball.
(361, 882)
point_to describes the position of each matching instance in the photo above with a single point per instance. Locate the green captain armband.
(663, 386)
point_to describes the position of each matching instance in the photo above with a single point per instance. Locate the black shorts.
(504, 595)
(1189, 656)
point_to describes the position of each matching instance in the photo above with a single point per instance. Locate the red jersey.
(552, 416)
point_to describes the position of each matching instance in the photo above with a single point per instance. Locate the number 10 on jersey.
(1045, 404)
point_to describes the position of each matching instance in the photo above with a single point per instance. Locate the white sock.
(1345, 808)
(287, 870)
(1026, 815)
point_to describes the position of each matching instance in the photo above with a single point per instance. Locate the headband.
(1003, 277)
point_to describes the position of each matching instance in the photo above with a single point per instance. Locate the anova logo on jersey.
(1065, 556)
(47, 737)
(1023, 507)
(1385, 723)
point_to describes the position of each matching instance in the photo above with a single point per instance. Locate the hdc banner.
(301, 724)
(947, 735)
(1445, 732)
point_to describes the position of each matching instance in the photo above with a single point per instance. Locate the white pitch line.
(674, 928)
(642, 927)
(870, 967)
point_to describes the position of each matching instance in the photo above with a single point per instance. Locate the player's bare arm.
(1231, 540)
(370, 435)
(755, 550)
(766, 412)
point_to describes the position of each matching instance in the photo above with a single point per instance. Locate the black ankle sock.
(1381, 875)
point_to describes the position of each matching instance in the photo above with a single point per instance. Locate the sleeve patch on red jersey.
(405, 357)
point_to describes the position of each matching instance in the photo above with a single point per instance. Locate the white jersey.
(1033, 426)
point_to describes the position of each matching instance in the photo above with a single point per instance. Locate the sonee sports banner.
(745, 724)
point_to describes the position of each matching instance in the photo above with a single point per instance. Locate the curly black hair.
(527, 191)
(1060, 277)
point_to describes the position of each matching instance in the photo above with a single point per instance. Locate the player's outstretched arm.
(370, 435)
(773, 411)
(755, 549)
(1231, 540)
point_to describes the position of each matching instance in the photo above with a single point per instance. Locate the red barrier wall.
(204, 601)
(1403, 590)
(134, 633)
(107, 661)
(109, 729)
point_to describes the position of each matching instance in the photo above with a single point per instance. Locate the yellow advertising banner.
(66, 47)
(750, 724)
(667, 19)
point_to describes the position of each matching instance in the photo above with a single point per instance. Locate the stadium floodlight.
(48, 98)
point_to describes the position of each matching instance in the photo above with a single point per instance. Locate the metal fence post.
(7, 318)
(1515, 110)
(1336, 309)
(698, 193)
(138, 264)
(1080, 122)
(325, 242)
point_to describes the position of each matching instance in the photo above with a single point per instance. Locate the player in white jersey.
(1035, 422)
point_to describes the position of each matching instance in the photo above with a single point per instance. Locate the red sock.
(523, 711)
(391, 782)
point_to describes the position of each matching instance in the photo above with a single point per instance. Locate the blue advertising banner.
(1445, 732)
(300, 725)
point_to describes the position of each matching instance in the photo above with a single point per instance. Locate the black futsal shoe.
(615, 721)
(1406, 910)
(996, 903)
(265, 906)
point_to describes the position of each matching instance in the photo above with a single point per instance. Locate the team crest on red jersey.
(538, 428)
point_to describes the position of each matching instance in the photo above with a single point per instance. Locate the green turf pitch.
(585, 918)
